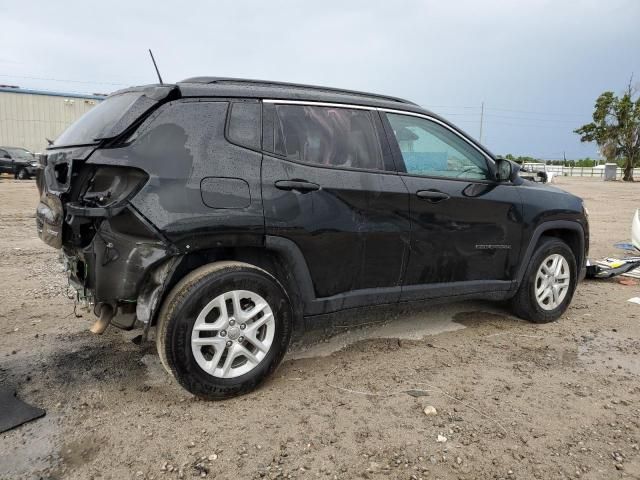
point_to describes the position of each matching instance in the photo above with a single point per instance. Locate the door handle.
(301, 186)
(433, 196)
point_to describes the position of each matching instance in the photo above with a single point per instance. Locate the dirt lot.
(513, 400)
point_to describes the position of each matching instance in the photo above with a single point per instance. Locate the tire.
(206, 370)
(546, 307)
(22, 174)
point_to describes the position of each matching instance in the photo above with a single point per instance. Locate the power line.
(522, 125)
(62, 80)
(511, 117)
(471, 107)
(532, 119)
(540, 113)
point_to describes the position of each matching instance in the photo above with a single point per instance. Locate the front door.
(465, 226)
(329, 187)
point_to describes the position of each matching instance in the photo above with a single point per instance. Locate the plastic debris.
(635, 230)
(612, 267)
(626, 246)
(635, 300)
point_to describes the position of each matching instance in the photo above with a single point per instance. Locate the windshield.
(19, 153)
(98, 121)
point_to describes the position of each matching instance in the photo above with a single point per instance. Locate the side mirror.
(544, 178)
(506, 170)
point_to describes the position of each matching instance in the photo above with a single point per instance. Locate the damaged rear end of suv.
(112, 253)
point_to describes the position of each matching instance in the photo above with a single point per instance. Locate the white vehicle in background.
(537, 172)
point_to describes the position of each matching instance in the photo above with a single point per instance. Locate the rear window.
(331, 136)
(101, 121)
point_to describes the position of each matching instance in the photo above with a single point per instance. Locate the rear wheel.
(548, 283)
(223, 329)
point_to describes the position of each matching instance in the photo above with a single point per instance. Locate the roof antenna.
(156, 67)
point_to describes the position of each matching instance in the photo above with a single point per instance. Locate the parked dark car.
(223, 210)
(19, 162)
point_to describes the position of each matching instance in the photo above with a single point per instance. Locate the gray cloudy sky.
(537, 64)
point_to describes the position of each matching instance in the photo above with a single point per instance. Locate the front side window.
(432, 150)
(330, 136)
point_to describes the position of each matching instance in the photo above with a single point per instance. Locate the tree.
(616, 128)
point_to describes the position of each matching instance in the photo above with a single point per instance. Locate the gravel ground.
(512, 400)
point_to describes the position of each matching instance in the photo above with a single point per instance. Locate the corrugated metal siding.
(26, 119)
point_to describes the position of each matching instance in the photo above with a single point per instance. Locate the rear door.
(329, 186)
(465, 226)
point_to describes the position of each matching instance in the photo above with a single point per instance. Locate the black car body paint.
(198, 176)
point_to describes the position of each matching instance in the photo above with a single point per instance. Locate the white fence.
(587, 171)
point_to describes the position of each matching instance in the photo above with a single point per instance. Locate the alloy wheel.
(552, 282)
(233, 334)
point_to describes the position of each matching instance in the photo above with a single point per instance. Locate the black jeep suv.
(223, 210)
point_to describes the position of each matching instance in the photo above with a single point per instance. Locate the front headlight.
(586, 211)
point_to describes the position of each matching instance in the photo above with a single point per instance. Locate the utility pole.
(481, 120)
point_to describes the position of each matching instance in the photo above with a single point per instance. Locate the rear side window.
(331, 136)
(244, 124)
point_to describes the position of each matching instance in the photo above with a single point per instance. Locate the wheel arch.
(572, 233)
(279, 257)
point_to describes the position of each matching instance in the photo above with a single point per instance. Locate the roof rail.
(269, 83)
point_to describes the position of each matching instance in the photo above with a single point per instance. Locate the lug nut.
(223, 333)
(241, 339)
(229, 343)
(232, 322)
(242, 326)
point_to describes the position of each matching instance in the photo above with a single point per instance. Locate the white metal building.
(29, 117)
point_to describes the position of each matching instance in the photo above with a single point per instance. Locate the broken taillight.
(111, 186)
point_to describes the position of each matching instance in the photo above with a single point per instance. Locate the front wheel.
(22, 174)
(223, 329)
(548, 283)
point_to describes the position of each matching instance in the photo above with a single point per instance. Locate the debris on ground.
(627, 266)
(612, 267)
(430, 410)
(14, 412)
(417, 393)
